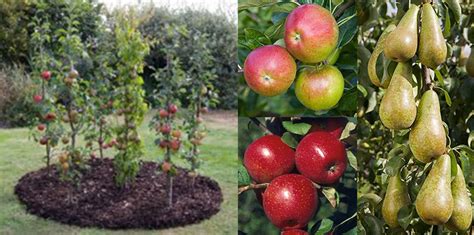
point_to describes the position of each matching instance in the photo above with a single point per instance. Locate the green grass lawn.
(19, 155)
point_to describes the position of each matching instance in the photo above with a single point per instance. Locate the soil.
(96, 202)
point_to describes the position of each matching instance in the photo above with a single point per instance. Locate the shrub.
(16, 92)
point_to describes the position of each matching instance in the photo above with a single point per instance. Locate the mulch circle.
(97, 202)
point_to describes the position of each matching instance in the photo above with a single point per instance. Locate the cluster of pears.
(440, 200)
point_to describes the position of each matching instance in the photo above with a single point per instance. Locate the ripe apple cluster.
(311, 36)
(291, 198)
(171, 138)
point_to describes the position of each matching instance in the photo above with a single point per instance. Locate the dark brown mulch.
(97, 202)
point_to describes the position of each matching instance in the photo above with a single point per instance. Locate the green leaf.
(396, 159)
(243, 176)
(454, 164)
(352, 160)
(372, 224)
(447, 24)
(332, 196)
(322, 227)
(405, 215)
(348, 28)
(455, 8)
(465, 148)
(297, 128)
(289, 140)
(285, 7)
(255, 3)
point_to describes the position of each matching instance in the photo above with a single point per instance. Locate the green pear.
(395, 198)
(461, 218)
(433, 50)
(398, 109)
(470, 63)
(401, 43)
(434, 203)
(427, 138)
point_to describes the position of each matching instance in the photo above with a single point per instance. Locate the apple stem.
(260, 125)
(252, 186)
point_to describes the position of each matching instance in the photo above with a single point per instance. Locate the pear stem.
(427, 78)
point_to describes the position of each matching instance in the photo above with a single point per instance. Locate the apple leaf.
(243, 176)
(351, 125)
(289, 140)
(322, 227)
(332, 196)
(352, 160)
(297, 128)
(255, 3)
(347, 27)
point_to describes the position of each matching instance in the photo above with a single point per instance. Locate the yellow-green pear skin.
(461, 218)
(395, 198)
(432, 49)
(401, 43)
(470, 63)
(434, 203)
(398, 108)
(427, 138)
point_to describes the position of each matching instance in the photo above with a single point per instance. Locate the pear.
(398, 109)
(433, 50)
(461, 218)
(401, 43)
(395, 198)
(427, 138)
(470, 63)
(434, 203)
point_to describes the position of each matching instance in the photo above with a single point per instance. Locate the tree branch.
(427, 78)
(252, 186)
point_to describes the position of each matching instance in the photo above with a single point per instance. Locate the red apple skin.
(165, 129)
(333, 126)
(321, 157)
(269, 70)
(290, 201)
(38, 98)
(294, 232)
(311, 33)
(163, 113)
(267, 158)
(172, 108)
(41, 127)
(319, 88)
(46, 75)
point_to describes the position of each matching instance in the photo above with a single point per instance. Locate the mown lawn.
(19, 155)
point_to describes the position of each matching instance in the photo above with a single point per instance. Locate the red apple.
(164, 144)
(50, 116)
(319, 88)
(175, 144)
(163, 113)
(41, 127)
(269, 70)
(172, 108)
(267, 158)
(43, 140)
(165, 129)
(290, 201)
(311, 33)
(334, 126)
(294, 232)
(166, 166)
(321, 157)
(38, 98)
(176, 134)
(46, 75)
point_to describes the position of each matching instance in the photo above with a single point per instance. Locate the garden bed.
(97, 202)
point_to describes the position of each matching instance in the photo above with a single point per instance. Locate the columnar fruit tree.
(202, 95)
(130, 104)
(170, 81)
